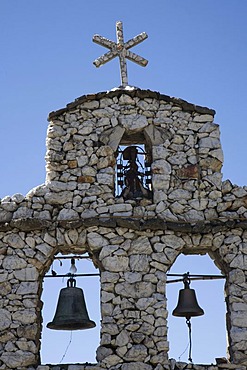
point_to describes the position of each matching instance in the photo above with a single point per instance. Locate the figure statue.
(133, 178)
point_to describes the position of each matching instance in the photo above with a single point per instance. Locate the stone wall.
(133, 243)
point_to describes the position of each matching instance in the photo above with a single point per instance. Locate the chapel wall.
(133, 266)
(186, 157)
(132, 243)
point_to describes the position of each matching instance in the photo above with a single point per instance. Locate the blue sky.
(197, 51)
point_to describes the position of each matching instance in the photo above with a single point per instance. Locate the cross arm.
(136, 58)
(136, 40)
(120, 49)
(103, 41)
(105, 58)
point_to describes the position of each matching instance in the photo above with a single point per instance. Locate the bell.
(71, 312)
(187, 303)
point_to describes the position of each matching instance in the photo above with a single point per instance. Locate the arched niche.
(147, 138)
(209, 337)
(77, 346)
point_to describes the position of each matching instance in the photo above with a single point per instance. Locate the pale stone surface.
(96, 241)
(27, 288)
(120, 208)
(161, 167)
(5, 216)
(5, 319)
(136, 366)
(132, 243)
(122, 338)
(15, 241)
(24, 316)
(58, 198)
(136, 290)
(115, 263)
(19, 358)
(203, 118)
(141, 246)
(137, 352)
(14, 262)
(67, 214)
(133, 122)
(139, 263)
(44, 248)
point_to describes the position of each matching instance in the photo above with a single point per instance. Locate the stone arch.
(210, 297)
(66, 241)
(123, 137)
(224, 248)
(153, 135)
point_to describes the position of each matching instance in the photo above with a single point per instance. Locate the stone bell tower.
(133, 179)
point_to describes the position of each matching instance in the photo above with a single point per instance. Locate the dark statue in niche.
(133, 177)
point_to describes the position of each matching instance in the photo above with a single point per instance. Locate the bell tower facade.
(133, 237)
(133, 179)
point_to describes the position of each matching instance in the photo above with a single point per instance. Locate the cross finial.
(120, 49)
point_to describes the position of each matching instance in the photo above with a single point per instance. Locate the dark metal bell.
(187, 303)
(71, 312)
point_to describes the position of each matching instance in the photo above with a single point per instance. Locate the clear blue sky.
(197, 50)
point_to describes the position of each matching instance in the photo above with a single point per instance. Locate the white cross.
(120, 49)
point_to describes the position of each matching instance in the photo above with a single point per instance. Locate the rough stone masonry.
(133, 243)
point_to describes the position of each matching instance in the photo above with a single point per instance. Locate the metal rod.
(198, 277)
(69, 257)
(193, 275)
(174, 281)
(70, 275)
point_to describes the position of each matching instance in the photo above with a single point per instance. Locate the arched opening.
(208, 331)
(133, 175)
(65, 346)
(133, 179)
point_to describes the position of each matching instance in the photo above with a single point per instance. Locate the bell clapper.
(190, 340)
(187, 307)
